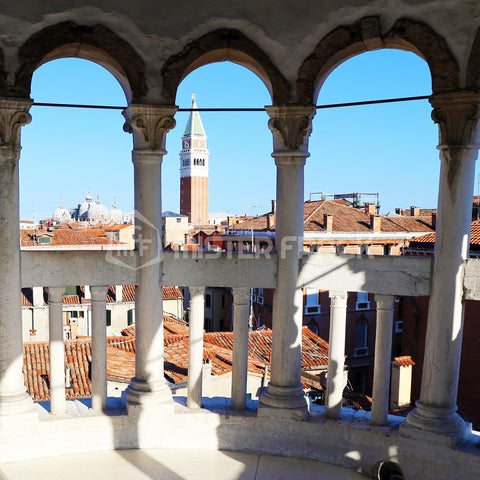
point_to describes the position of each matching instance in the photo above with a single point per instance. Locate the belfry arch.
(366, 34)
(98, 44)
(219, 46)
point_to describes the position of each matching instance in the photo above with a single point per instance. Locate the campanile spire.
(194, 169)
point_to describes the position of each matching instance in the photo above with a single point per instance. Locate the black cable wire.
(318, 107)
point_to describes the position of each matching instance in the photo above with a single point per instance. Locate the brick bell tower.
(194, 170)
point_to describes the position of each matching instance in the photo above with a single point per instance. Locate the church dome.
(115, 214)
(84, 207)
(98, 212)
(61, 214)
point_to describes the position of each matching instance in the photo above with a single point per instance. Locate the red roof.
(345, 219)
(218, 351)
(36, 368)
(428, 241)
(67, 236)
(404, 361)
(128, 295)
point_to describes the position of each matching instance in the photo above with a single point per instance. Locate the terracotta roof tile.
(404, 361)
(218, 351)
(68, 236)
(428, 241)
(345, 219)
(36, 368)
(171, 293)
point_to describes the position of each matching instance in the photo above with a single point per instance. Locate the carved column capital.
(291, 126)
(241, 296)
(55, 294)
(338, 299)
(99, 293)
(457, 117)
(13, 115)
(149, 125)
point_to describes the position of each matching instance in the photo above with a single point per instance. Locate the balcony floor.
(172, 464)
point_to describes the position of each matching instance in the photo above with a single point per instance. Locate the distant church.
(194, 170)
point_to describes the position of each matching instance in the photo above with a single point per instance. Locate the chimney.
(118, 293)
(375, 223)
(270, 222)
(414, 211)
(328, 223)
(37, 293)
(370, 208)
(274, 207)
(434, 220)
(398, 211)
(401, 382)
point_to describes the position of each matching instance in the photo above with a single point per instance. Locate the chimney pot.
(370, 208)
(274, 207)
(434, 220)
(414, 211)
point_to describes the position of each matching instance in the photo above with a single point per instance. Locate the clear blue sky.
(389, 149)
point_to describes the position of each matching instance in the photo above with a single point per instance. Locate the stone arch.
(218, 46)
(346, 41)
(473, 67)
(96, 43)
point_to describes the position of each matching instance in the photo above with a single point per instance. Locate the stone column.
(291, 126)
(195, 347)
(99, 347)
(57, 351)
(13, 396)
(383, 357)
(457, 116)
(149, 125)
(336, 354)
(241, 303)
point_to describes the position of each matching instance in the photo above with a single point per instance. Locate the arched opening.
(376, 148)
(68, 151)
(96, 43)
(224, 46)
(241, 172)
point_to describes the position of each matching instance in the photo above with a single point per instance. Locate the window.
(311, 301)
(208, 301)
(260, 296)
(313, 326)
(179, 219)
(362, 301)
(361, 331)
(364, 250)
(340, 248)
(109, 318)
(130, 319)
(387, 249)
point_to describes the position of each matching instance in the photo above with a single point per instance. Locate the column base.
(142, 397)
(285, 402)
(444, 424)
(16, 404)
